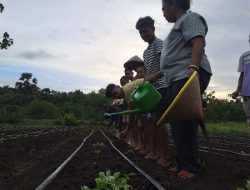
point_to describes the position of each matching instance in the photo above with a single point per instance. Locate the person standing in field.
(182, 54)
(151, 58)
(243, 87)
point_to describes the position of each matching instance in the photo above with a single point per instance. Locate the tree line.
(27, 101)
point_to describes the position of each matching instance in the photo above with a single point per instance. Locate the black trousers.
(185, 133)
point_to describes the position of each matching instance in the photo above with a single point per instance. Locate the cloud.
(83, 44)
(85, 30)
(34, 55)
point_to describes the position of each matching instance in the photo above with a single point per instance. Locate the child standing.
(140, 72)
(132, 64)
(151, 57)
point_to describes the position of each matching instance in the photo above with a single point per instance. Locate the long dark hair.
(181, 4)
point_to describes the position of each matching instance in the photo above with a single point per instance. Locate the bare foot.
(124, 134)
(163, 162)
(144, 151)
(139, 147)
(152, 155)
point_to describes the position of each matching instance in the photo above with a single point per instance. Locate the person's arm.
(197, 44)
(236, 93)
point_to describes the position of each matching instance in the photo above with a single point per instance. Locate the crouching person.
(115, 91)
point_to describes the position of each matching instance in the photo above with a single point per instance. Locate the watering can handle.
(138, 88)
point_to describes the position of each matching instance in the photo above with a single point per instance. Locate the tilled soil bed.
(26, 161)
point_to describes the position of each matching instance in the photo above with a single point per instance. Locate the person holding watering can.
(115, 91)
(182, 54)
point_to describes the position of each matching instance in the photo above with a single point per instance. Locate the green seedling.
(99, 145)
(129, 151)
(1, 140)
(109, 181)
(247, 186)
(202, 165)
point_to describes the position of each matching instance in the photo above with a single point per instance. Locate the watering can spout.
(137, 110)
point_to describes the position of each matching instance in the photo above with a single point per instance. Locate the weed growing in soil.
(1, 140)
(99, 145)
(202, 165)
(247, 187)
(109, 181)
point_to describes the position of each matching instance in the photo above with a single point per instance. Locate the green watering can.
(145, 98)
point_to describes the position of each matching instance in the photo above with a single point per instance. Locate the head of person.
(124, 80)
(140, 72)
(114, 91)
(129, 73)
(172, 9)
(146, 28)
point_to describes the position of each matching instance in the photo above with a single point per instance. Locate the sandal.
(186, 175)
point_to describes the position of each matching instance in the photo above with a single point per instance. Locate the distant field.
(224, 127)
(228, 128)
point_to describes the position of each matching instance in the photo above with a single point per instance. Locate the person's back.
(129, 88)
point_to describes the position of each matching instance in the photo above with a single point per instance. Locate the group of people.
(168, 65)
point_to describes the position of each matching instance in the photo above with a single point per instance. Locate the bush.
(11, 114)
(70, 119)
(41, 110)
(59, 121)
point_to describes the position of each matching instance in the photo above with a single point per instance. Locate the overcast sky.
(82, 44)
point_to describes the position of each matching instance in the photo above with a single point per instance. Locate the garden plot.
(26, 162)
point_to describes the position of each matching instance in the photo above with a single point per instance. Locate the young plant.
(247, 186)
(109, 181)
(99, 145)
(1, 140)
(202, 165)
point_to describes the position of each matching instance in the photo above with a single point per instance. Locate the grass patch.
(228, 128)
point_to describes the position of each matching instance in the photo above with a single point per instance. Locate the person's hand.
(191, 71)
(147, 78)
(235, 94)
